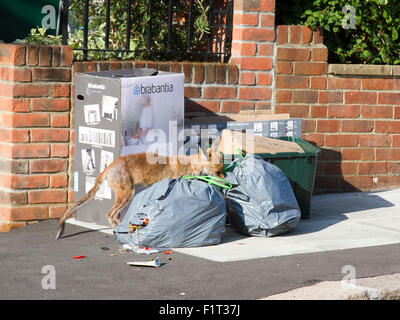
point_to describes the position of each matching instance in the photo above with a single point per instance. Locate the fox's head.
(209, 162)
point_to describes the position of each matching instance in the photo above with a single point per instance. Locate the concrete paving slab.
(373, 287)
(338, 221)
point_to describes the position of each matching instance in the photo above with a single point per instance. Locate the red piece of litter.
(167, 252)
(79, 257)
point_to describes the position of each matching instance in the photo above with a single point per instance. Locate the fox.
(125, 172)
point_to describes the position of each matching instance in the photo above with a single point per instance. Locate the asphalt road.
(104, 275)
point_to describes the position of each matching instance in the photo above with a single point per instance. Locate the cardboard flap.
(231, 141)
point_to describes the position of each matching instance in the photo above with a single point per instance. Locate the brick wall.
(351, 111)
(34, 132)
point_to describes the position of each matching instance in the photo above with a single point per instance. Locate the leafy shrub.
(375, 39)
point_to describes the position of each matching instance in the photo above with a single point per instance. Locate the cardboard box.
(118, 113)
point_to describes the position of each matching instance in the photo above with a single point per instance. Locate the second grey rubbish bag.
(172, 214)
(261, 202)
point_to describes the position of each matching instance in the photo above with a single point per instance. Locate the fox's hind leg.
(120, 181)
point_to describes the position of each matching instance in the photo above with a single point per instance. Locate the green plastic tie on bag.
(211, 180)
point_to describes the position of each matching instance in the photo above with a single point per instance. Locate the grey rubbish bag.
(172, 214)
(261, 201)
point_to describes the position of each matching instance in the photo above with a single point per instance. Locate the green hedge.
(375, 39)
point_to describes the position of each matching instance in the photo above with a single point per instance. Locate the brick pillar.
(253, 40)
(34, 132)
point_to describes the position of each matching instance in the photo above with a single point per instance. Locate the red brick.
(397, 112)
(233, 74)
(309, 68)
(291, 82)
(14, 74)
(8, 226)
(395, 168)
(32, 58)
(335, 82)
(198, 73)
(60, 104)
(283, 96)
(318, 35)
(53, 135)
(254, 34)
(221, 73)
(254, 93)
(385, 182)
(372, 168)
(24, 213)
(318, 83)
(319, 54)
(358, 154)
(318, 111)
(25, 181)
(30, 90)
(293, 54)
(48, 165)
(342, 140)
(358, 182)
(363, 97)
(328, 126)
(12, 54)
(15, 136)
(57, 212)
(340, 168)
(308, 125)
(60, 120)
(377, 84)
(192, 92)
(295, 34)
(282, 34)
(236, 106)
(300, 96)
(59, 150)
(316, 138)
(51, 74)
(264, 79)
(244, 49)
(15, 105)
(396, 141)
(219, 93)
(47, 196)
(388, 154)
(377, 111)
(30, 151)
(256, 64)
(246, 19)
(284, 67)
(66, 56)
(59, 181)
(210, 73)
(248, 78)
(263, 106)
(306, 34)
(259, 5)
(357, 126)
(200, 106)
(343, 111)
(330, 97)
(389, 98)
(267, 20)
(45, 56)
(374, 140)
(25, 120)
(387, 126)
(295, 111)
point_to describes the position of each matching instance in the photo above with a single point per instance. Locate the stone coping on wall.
(363, 70)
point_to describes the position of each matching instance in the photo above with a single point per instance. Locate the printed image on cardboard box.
(88, 161)
(148, 116)
(109, 107)
(92, 113)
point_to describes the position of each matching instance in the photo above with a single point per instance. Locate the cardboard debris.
(231, 141)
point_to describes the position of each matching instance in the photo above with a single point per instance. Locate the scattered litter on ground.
(168, 252)
(151, 263)
(138, 250)
(79, 257)
(113, 254)
(183, 294)
(104, 248)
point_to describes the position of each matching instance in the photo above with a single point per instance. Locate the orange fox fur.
(127, 171)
